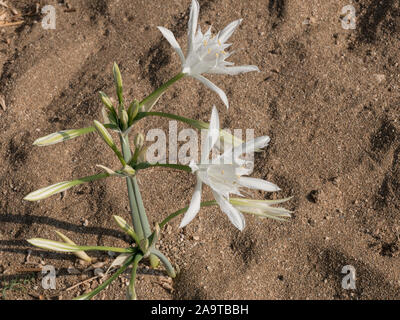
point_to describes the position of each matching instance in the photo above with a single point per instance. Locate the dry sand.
(328, 97)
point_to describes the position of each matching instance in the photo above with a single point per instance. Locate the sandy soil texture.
(328, 97)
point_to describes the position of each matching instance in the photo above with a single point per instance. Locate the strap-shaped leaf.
(106, 283)
(47, 192)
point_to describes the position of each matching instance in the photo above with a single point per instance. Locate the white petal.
(194, 206)
(234, 70)
(229, 29)
(172, 41)
(194, 16)
(213, 87)
(212, 136)
(247, 147)
(233, 214)
(193, 165)
(259, 184)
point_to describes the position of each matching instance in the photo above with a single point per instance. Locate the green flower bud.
(139, 141)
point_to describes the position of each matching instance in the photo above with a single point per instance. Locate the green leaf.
(149, 104)
(62, 136)
(168, 266)
(106, 283)
(47, 192)
(131, 289)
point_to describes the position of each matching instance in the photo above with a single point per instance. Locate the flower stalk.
(147, 103)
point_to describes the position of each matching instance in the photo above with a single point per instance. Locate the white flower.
(262, 208)
(225, 175)
(206, 53)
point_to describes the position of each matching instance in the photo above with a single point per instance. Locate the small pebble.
(99, 272)
(72, 270)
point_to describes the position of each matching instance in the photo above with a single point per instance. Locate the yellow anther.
(209, 50)
(205, 43)
(223, 52)
(217, 54)
(219, 42)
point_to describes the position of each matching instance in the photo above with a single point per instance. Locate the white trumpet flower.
(225, 175)
(206, 53)
(262, 208)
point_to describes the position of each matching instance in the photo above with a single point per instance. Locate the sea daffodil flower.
(206, 53)
(225, 175)
(262, 208)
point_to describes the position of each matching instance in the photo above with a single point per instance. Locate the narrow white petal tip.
(241, 227)
(182, 225)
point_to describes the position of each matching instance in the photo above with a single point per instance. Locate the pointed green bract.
(47, 192)
(62, 136)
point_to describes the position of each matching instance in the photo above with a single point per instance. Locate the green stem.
(112, 249)
(106, 283)
(156, 93)
(137, 224)
(140, 222)
(194, 123)
(144, 165)
(142, 211)
(182, 211)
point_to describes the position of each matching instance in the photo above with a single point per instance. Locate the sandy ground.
(328, 97)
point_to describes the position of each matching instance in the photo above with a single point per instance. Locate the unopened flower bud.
(124, 119)
(139, 141)
(133, 110)
(128, 170)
